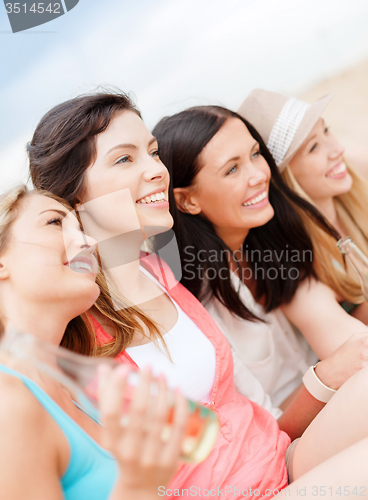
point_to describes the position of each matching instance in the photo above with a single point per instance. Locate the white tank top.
(193, 357)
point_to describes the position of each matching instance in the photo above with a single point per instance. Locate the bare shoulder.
(29, 442)
(312, 293)
(19, 405)
(313, 286)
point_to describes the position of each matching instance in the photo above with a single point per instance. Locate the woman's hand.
(146, 461)
(333, 371)
(348, 359)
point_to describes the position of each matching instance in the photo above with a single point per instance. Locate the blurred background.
(171, 54)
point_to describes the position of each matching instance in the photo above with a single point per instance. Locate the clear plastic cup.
(79, 375)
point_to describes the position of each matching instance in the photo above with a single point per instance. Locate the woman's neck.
(328, 210)
(46, 322)
(232, 238)
(130, 284)
(124, 271)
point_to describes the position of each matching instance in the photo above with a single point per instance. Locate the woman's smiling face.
(48, 259)
(231, 187)
(318, 165)
(127, 161)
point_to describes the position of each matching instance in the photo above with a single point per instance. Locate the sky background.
(169, 55)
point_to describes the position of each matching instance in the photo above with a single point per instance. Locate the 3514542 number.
(35, 8)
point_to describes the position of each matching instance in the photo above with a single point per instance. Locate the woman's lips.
(83, 265)
(258, 201)
(156, 204)
(152, 198)
(338, 171)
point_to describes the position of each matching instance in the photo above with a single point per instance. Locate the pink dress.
(248, 458)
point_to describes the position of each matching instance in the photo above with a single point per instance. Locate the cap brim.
(311, 117)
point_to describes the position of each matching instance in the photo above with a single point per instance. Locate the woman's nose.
(87, 242)
(82, 241)
(336, 149)
(257, 176)
(155, 170)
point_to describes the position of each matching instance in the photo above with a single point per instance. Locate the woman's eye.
(123, 159)
(256, 154)
(232, 170)
(57, 222)
(155, 153)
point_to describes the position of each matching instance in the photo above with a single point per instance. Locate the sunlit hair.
(352, 209)
(79, 335)
(62, 148)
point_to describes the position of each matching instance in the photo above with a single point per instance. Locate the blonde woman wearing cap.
(310, 159)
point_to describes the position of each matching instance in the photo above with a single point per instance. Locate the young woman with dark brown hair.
(238, 233)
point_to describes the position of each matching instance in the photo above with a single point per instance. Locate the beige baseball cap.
(283, 122)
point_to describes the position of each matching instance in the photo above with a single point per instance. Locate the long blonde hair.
(79, 335)
(352, 209)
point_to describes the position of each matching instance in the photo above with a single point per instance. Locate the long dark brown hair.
(62, 148)
(181, 139)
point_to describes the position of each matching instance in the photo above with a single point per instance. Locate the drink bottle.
(356, 258)
(79, 375)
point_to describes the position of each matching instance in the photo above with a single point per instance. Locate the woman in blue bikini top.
(47, 278)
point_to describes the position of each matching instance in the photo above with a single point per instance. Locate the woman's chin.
(157, 225)
(87, 298)
(347, 184)
(265, 215)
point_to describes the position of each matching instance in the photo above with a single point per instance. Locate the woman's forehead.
(125, 127)
(34, 206)
(37, 203)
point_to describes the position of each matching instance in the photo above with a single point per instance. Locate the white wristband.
(315, 387)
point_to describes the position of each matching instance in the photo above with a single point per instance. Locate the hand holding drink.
(80, 376)
(135, 436)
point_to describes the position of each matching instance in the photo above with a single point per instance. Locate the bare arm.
(299, 413)
(316, 312)
(30, 466)
(333, 371)
(361, 312)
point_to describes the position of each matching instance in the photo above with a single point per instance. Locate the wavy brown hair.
(63, 147)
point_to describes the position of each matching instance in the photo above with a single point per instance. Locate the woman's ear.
(4, 272)
(186, 201)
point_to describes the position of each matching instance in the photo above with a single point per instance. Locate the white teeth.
(256, 200)
(153, 198)
(75, 266)
(337, 170)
